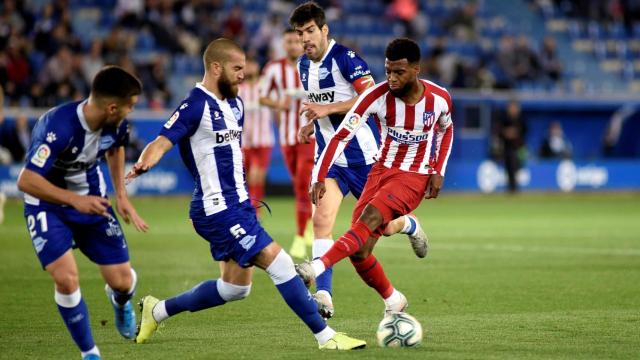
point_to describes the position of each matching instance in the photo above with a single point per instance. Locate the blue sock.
(299, 299)
(202, 296)
(324, 281)
(75, 315)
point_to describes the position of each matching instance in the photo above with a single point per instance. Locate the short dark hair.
(114, 81)
(307, 12)
(404, 48)
(219, 50)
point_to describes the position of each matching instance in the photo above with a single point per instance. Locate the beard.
(227, 89)
(403, 90)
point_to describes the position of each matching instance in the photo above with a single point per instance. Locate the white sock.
(159, 312)
(406, 229)
(320, 247)
(318, 267)
(94, 350)
(325, 335)
(393, 298)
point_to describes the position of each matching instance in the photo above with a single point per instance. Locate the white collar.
(80, 113)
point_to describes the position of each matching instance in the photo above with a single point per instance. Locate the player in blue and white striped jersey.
(333, 76)
(66, 203)
(207, 127)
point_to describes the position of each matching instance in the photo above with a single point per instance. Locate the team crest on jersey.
(41, 155)
(353, 122)
(172, 120)
(51, 137)
(428, 118)
(323, 73)
(216, 115)
(237, 113)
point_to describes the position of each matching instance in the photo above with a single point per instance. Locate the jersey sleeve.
(122, 134)
(368, 104)
(352, 66)
(48, 142)
(184, 122)
(444, 137)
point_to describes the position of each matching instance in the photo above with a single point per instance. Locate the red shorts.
(393, 192)
(299, 161)
(259, 157)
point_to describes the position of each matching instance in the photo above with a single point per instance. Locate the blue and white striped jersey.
(208, 132)
(328, 81)
(67, 153)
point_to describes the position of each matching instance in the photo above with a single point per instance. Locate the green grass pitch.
(525, 277)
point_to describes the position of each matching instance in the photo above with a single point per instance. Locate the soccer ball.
(399, 330)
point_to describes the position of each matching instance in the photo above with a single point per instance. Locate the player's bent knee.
(371, 216)
(66, 283)
(232, 292)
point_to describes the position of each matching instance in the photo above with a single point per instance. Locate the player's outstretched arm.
(36, 185)
(152, 153)
(115, 160)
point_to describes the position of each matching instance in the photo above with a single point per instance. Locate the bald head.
(220, 51)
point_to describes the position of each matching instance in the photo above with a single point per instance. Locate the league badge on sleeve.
(353, 122)
(172, 120)
(41, 155)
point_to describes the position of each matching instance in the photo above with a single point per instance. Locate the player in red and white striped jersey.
(257, 134)
(281, 91)
(411, 113)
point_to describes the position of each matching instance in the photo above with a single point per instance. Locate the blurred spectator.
(526, 63)
(92, 62)
(129, 12)
(549, 61)
(509, 129)
(15, 137)
(155, 86)
(506, 61)
(555, 145)
(462, 22)
(233, 26)
(406, 12)
(18, 71)
(268, 38)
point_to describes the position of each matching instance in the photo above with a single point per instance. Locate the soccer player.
(207, 127)
(282, 92)
(257, 135)
(333, 76)
(66, 203)
(411, 112)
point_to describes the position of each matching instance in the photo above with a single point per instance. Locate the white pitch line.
(519, 248)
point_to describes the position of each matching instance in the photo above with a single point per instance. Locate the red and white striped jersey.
(407, 131)
(257, 130)
(282, 78)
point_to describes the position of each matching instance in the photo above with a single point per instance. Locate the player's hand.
(136, 170)
(90, 204)
(305, 133)
(314, 111)
(129, 214)
(317, 192)
(434, 186)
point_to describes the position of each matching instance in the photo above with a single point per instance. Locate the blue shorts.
(350, 179)
(56, 229)
(234, 233)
